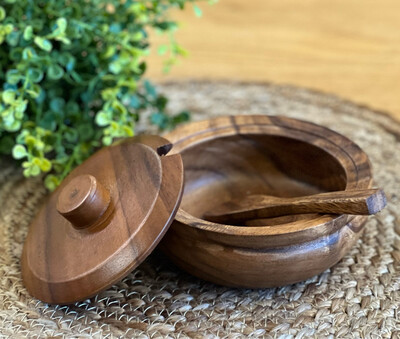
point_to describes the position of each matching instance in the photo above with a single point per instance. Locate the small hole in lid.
(163, 150)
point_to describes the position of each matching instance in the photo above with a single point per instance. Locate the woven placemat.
(357, 298)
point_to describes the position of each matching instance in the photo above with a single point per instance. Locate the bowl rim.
(351, 157)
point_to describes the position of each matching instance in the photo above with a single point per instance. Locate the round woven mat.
(357, 298)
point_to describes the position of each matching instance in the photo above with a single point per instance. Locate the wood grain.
(231, 157)
(357, 202)
(350, 48)
(105, 218)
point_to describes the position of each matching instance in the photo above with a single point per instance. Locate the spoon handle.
(358, 202)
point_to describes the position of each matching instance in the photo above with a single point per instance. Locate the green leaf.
(159, 119)
(134, 102)
(8, 96)
(162, 49)
(20, 109)
(179, 50)
(161, 103)
(115, 67)
(70, 64)
(2, 13)
(12, 125)
(76, 77)
(197, 11)
(109, 52)
(35, 75)
(20, 139)
(30, 141)
(63, 39)
(119, 107)
(181, 118)
(7, 29)
(28, 53)
(128, 131)
(102, 119)
(107, 140)
(57, 104)
(34, 170)
(150, 89)
(45, 165)
(51, 182)
(48, 121)
(39, 145)
(13, 76)
(109, 94)
(7, 115)
(85, 132)
(34, 91)
(42, 43)
(55, 72)
(13, 38)
(114, 127)
(28, 33)
(72, 135)
(19, 152)
(62, 24)
(36, 161)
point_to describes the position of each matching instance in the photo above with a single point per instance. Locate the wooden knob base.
(83, 201)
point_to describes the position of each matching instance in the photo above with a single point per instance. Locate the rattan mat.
(357, 298)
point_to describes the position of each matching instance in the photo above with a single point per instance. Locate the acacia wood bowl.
(231, 157)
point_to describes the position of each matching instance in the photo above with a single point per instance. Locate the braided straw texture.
(357, 298)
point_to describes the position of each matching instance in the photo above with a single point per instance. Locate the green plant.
(72, 75)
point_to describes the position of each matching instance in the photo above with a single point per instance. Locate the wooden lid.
(106, 217)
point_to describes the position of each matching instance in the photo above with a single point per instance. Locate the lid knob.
(83, 201)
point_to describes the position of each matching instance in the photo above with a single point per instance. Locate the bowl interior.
(234, 166)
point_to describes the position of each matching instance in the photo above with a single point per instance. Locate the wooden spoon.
(359, 202)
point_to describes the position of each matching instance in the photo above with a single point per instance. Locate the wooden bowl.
(231, 157)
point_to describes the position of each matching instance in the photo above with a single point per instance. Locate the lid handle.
(83, 201)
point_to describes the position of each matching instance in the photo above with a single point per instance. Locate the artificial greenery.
(72, 75)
